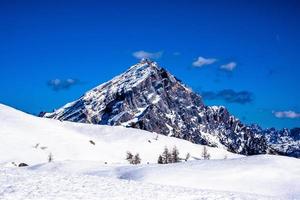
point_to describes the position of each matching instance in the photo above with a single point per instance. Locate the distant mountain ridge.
(148, 97)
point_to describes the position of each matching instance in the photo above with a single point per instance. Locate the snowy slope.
(79, 171)
(29, 139)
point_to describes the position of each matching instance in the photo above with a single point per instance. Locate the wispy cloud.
(229, 96)
(60, 84)
(229, 66)
(286, 114)
(201, 61)
(144, 54)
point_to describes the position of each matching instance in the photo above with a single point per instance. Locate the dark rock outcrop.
(22, 165)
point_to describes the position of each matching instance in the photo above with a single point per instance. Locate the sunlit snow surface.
(79, 170)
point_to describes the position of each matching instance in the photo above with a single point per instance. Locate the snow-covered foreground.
(25, 184)
(79, 170)
(256, 177)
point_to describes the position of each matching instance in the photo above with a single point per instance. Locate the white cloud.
(62, 84)
(286, 114)
(229, 66)
(144, 54)
(201, 61)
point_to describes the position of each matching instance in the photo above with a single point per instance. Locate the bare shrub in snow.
(50, 157)
(187, 157)
(205, 155)
(129, 157)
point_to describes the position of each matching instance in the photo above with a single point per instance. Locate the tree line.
(166, 157)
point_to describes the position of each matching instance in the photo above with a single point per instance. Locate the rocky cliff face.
(284, 142)
(148, 97)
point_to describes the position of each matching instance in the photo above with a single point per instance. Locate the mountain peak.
(143, 66)
(148, 97)
(144, 72)
(145, 62)
(143, 86)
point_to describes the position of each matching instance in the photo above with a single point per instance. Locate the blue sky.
(241, 54)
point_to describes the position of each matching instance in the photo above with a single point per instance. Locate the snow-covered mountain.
(81, 169)
(148, 97)
(284, 142)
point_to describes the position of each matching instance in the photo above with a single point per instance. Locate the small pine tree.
(160, 159)
(133, 159)
(166, 156)
(50, 157)
(205, 154)
(187, 156)
(129, 157)
(175, 155)
(136, 159)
